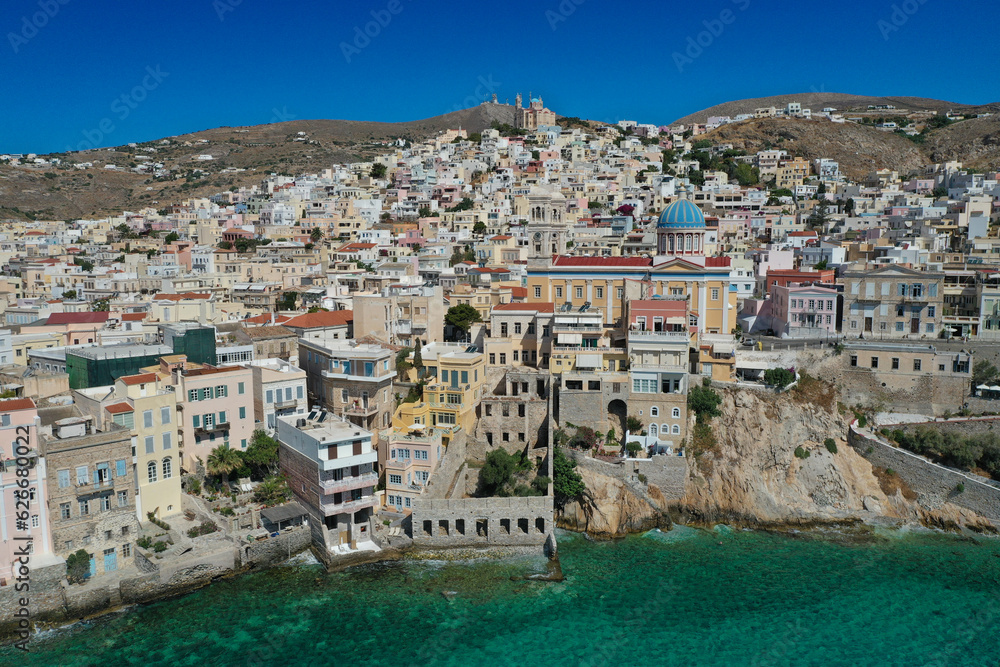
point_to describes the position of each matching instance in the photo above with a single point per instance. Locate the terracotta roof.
(332, 318)
(539, 307)
(134, 317)
(602, 261)
(519, 292)
(119, 408)
(487, 269)
(78, 318)
(141, 378)
(358, 246)
(717, 262)
(12, 404)
(501, 237)
(181, 297)
(802, 234)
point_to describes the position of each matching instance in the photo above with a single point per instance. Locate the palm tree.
(316, 235)
(223, 461)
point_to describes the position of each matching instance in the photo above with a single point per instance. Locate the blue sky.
(188, 65)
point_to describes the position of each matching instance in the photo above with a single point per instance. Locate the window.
(243, 413)
(120, 470)
(147, 419)
(899, 326)
(63, 479)
(206, 393)
(895, 363)
(343, 396)
(503, 358)
(517, 327)
(299, 392)
(676, 413)
(151, 471)
(854, 360)
(221, 391)
(620, 292)
(64, 511)
(598, 292)
(126, 550)
(916, 364)
(35, 522)
(123, 499)
(165, 415)
(106, 507)
(81, 474)
(930, 311)
(149, 444)
(208, 420)
(493, 358)
(395, 479)
(654, 411)
(84, 507)
(241, 388)
(196, 420)
(874, 362)
(579, 292)
(538, 292)
(715, 294)
(168, 468)
(675, 429)
(167, 438)
(192, 395)
(559, 292)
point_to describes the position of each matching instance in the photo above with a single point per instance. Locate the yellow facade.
(156, 447)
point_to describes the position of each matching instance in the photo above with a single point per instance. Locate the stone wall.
(482, 521)
(668, 474)
(443, 480)
(933, 483)
(262, 553)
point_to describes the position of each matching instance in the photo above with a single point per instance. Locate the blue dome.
(682, 214)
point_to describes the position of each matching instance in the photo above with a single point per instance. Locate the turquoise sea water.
(688, 597)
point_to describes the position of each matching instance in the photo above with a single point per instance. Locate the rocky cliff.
(752, 476)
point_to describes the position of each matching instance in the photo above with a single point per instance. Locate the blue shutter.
(120, 467)
(222, 417)
(196, 421)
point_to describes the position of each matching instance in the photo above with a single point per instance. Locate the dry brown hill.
(859, 149)
(840, 101)
(65, 193)
(974, 142)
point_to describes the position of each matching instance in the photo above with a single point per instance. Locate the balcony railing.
(206, 428)
(646, 335)
(286, 403)
(350, 506)
(349, 483)
(361, 410)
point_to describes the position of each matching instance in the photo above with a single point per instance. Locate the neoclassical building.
(680, 230)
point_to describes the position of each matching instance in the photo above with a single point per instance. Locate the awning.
(589, 361)
(983, 386)
(570, 339)
(283, 512)
(723, 348)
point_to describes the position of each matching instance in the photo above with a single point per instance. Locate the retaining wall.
(934, 484)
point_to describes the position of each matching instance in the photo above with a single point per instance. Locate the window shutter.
(196, 421)
(222, 417)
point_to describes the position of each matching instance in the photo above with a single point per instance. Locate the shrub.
(890, 472)
(162, 524)
(205, 528)
(226, 511)
(145, 542)
(779, 377)
(801, 453)
(633, 448)
(78, 567)
(862, 421)
(194, 486)
(704, 402)
(541, 484)
(642, 478)
(960, 488)
(160, 546)
(831, 445)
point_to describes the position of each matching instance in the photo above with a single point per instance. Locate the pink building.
(795, 308)
(412, 460)
(216, 407)
(19, 427)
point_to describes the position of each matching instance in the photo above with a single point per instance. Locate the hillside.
(241, 156)
(858, 149)
(840, 101)
(975, 142)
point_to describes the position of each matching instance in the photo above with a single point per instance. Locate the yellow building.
(23, 344)
(607, 282)
(455, 386)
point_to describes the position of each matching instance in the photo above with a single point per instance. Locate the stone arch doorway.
(617, 416)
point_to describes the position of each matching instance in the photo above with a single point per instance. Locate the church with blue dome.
(681, 229)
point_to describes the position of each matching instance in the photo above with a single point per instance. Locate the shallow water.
(686, 597)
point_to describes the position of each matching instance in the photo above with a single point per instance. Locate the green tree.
(101, 306)
(403, 360)
(462, 316)
(84, 264)
(465, 205)
(287, 301)
(747, 174)
(849, 207)
(425, 212)
(633, 424)
(821, 264)
(497, 473)
(78, 567)
(704, 402)
(262, 453)
(779, 377)
(819, 216)
(272, 491)
(225, 245)
(69, 294)
(171, 237)
(633, 448)
(316, 235)
(479, 227)
(983, 372)
(378, 171)
(418, 359)
(222, 461)
(567, 483)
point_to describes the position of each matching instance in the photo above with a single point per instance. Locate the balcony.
(362, 410)
(914, 298)
(331, 508)
(206, 428)
(282, 403)
(348, 483)
(647, 336)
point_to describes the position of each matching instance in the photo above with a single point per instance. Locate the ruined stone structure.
(515, 415)
(482, 522)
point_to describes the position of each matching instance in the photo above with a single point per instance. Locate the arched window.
(151, 471)
(652, 430)
(664, 429)
(654, 411)
(676, 413)
(676, 429)
(167, 468)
